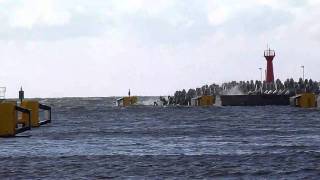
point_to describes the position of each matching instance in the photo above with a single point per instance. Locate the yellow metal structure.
(306, 100)
(34, 107)
(127, 101)
(8, 119)
(203, 101)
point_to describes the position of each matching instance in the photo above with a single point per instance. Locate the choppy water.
(91, 139)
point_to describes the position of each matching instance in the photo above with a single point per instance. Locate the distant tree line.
(288, 87)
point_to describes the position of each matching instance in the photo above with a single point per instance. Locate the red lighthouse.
(269, 55)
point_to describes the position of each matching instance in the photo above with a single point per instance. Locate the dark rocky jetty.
(278, 88)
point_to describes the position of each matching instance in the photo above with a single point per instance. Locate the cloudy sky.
(59, 48)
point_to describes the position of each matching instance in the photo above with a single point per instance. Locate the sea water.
(90, 138)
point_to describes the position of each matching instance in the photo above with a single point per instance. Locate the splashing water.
(148, 101)
(233, 91)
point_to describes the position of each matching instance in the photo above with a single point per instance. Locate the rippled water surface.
(91, 139)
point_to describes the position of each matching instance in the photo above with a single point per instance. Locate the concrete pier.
(254, 100)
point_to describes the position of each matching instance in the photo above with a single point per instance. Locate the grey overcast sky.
(61, 48)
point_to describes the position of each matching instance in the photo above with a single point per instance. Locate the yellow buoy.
(8, 119)
(203, 101)
(9, 124)
(127, 101)
(305, 100)
(34, 107)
